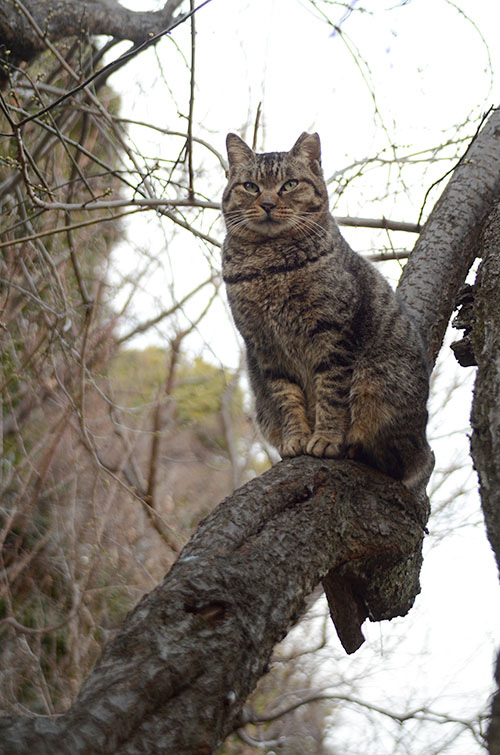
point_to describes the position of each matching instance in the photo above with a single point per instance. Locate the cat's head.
(275, 194)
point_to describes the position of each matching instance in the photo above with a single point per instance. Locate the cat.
(336, 365)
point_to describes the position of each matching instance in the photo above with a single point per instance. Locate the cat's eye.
(251, 187)
(289, 185)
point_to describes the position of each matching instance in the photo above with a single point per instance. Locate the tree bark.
(493, 735)
(485, 417)
(449, 241)
(177, 674)
(24, 24)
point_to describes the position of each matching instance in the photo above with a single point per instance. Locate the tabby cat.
(336, 365)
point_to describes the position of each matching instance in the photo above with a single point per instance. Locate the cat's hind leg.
(389, 435)
(370, 412)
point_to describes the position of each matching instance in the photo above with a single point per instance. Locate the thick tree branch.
(449, 240)
(176, 676)
(485, 418)
(60, 19)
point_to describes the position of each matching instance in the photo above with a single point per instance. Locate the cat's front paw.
(293, 446)
(324, 447)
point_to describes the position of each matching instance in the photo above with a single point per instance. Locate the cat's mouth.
(270, 226)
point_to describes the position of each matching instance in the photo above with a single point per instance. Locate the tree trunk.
(485, 418)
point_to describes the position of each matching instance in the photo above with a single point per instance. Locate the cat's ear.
(308, 148)
(237, 150)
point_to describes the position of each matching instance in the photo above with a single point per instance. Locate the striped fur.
(336, 366)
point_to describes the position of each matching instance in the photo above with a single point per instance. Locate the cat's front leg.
(281, 408)
(332, 414)
(295, 430)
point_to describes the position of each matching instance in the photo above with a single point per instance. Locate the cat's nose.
(267, 205)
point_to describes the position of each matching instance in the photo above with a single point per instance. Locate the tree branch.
(31, 26)
(449, 240)
(60, 19)
(485, 417)
(157, 684)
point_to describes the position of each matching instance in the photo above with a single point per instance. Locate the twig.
(191, 106)
(168, 132)
(256, 127)
(259, 745)
(166, 313)
(11, 621)
(459, 162)
(154, 202)
(390, 225)
(72, 227)
(110, 204)
(108, 68)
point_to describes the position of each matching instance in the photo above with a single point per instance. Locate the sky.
(402, 78)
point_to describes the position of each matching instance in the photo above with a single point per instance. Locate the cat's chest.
(274, 303)
(277, 315)
(279, 300)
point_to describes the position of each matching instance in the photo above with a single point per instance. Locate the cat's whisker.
(235, 224)
(304, 216)
(315, 229)
(308, 226)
